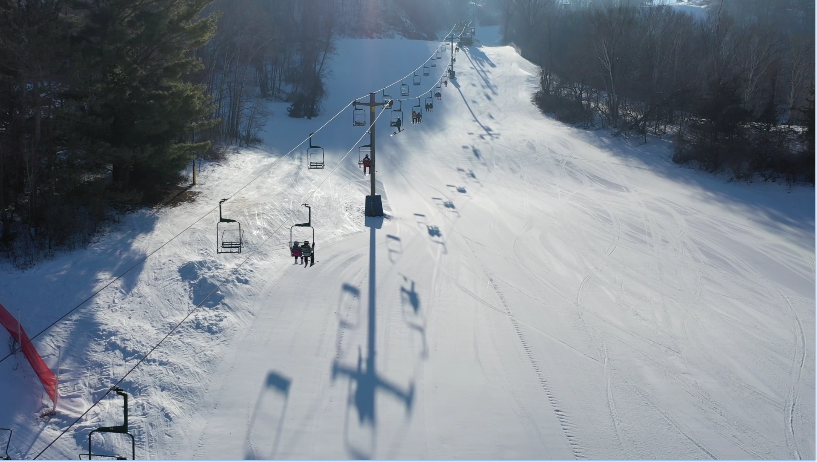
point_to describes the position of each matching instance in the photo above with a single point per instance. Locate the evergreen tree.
(139, 107)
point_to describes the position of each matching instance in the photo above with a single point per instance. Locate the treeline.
(104, 102)
(96, 106)
(734, 87)
(266, 50)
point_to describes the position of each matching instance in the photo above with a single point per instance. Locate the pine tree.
(137, 55)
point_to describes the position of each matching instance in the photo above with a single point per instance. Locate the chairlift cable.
(415, 70)
(198, 306)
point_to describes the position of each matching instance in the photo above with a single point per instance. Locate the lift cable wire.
(198, 306)
(410, 74)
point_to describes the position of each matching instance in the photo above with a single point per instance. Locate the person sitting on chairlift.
(306, 250)
(296, 252)
(445, 82)
(367, 163)
(438, 95)
(399, 123)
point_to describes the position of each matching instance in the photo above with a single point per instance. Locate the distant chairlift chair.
(358, 116)
(426, 70)
(228, 233)
(404, 89)
(417, 79)
(315, 155)
(122, 429)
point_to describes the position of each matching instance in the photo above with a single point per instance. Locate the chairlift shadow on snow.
(478, 66)
(414, 319)
(395, 247)
(459, 189)
(488, 130)
(468, 175)
(269, 413)
(364, 381)
(446, 204)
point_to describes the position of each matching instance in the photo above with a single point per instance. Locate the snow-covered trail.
(535, 292)
(535, 297)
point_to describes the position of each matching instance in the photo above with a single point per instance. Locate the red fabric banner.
(16, 330)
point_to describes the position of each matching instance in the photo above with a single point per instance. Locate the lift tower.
(374, 203)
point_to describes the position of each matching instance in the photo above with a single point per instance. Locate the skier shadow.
(269, 412)
(364, 380)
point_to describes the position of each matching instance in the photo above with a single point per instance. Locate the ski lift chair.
(439, 53)
(404, 89)
(358, 116)
(228, 233)
(8, 442)
(386, 99)
(365, 150)
(308, 224)
(122, 429)
(419, 110)
(417, 79)
(430, 101)
(315, 155)
(397, 113)
(426, 70)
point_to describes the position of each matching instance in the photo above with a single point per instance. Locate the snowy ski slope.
(535, 292)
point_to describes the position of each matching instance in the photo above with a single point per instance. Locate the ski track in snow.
(541, 292)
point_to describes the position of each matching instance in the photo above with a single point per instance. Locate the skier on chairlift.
(306, 250)
(438, 95)
(296, 252)
(399, 123)
(367, 163)
(445, 82)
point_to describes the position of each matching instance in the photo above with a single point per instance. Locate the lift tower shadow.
(364, 375)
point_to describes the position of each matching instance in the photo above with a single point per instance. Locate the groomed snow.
(535, 292)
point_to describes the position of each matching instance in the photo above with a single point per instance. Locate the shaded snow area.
(535, 292)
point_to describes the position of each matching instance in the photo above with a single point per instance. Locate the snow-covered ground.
(535, 292)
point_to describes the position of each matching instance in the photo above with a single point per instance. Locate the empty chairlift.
(426, 70)
(358, 116)
(314, 155)
(120, 429)
(387, 99)
(417, 79)
(229, 237)
(439, 54)
(404, 89)
(433, 62)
